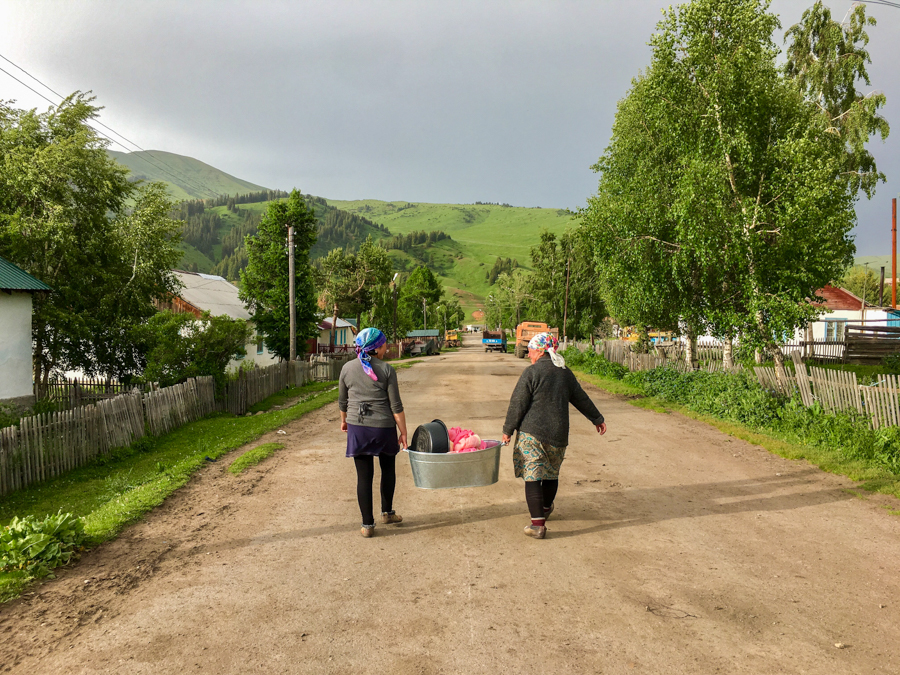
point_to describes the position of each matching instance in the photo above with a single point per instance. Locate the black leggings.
(365, 475)
(540, 494)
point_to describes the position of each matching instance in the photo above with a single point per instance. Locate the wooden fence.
(74, 392)
(834, 390)
(46, 445)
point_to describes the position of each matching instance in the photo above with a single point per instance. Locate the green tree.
(863, 283)
(721, 204)
(418, 296)
(564, 288)
(353, 282)
(64, 219)
(826, 59)
(182, 346)
(265, 281)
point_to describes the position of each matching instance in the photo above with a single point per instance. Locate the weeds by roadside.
(840, 443)
(118, 489)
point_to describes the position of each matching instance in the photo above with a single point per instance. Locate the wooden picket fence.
(74, 392)
(47, 445)
(252, 386)
(169, 408)
(834, 390)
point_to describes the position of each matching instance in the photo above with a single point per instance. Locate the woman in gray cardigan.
(371, 416)
(539, 410)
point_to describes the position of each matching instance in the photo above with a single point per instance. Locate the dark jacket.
(540, 403)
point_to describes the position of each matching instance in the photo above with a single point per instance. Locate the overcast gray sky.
(431, 101)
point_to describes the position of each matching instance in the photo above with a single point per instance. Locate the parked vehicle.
(494, 341)
(451, 338)
(527, 330)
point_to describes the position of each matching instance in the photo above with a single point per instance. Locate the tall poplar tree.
(264, 282)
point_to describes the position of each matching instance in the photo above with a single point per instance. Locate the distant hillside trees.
(264, 281)
(202, 231)
(405, 242)
(341, 229)
(501, 266)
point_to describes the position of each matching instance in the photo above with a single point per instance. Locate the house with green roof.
(17, 289)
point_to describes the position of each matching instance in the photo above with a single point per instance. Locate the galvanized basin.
(439, 471)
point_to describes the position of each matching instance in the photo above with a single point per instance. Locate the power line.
(886, 3)
(182, 178)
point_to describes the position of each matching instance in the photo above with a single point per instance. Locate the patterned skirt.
(534, 460)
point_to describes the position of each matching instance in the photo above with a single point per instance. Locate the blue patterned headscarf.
(367, 341)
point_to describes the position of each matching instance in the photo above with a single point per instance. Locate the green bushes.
(592, 363)
(739, 398)
(35, 546)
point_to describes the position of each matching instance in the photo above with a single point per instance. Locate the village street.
(673, 549)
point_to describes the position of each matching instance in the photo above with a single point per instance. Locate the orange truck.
(527, 330)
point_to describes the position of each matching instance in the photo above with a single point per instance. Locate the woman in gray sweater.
(371, 416)
(539, 410)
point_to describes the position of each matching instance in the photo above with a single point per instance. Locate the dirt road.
(673, 549)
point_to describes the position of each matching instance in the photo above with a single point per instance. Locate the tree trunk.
(728, 354)
(690, 348)
(334, 319)
(778, 358)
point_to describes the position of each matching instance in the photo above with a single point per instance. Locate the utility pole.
(293, 307)
(424, 315)
(566, 309)
(881, 289)
(394, 284)
(862, 312)
(894, 253)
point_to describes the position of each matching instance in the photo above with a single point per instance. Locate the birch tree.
(722, 204)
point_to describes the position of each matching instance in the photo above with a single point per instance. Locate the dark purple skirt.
(371, 441)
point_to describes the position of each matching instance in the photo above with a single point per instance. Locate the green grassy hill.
(480, 233)
(186, 177)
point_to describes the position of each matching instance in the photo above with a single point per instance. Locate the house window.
(834, 330)
(259, 344)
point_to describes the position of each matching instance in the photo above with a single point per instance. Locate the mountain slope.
(480, 233)
(187, 178)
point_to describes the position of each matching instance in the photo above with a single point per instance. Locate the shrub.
(594, 364)
(37, 546)
(891, 364)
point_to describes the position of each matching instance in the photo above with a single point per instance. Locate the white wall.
(267, 358)
(15, 345)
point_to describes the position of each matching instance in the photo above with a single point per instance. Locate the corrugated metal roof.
(341, 323)
(431, 332)
(13, 278)
(210, 293)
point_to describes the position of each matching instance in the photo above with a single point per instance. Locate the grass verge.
(289, 394)
(872, 477)
(254, 457)
(116, 490)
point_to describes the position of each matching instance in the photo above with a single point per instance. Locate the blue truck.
(494, 341)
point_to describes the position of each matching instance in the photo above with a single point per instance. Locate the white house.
(208, 292)
(344, 335)
(16, 372)
(842, 308)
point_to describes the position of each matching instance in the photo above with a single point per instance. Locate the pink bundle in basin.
(465, 440)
